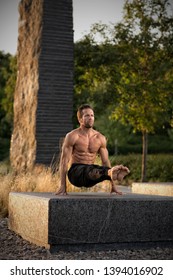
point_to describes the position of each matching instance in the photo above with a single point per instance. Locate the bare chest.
(87, 144)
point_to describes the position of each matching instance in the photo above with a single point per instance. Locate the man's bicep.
(103, 151)
(67, 147)
(104, 155)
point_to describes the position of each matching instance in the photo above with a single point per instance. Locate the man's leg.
(97, 174)
(86, 175)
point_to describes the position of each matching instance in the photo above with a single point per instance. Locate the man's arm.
(63, 167)
(104, 153)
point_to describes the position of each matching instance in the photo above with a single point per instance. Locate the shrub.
(159, 167)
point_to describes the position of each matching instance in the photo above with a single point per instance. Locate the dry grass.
(40, 180)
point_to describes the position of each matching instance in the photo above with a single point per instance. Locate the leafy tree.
(130, 71)
(145, 38)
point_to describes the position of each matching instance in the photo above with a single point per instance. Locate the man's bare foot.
(114, 171)
(118, 172)
(124, 171)
(60, 192)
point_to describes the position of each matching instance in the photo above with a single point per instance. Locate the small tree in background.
(145, 90)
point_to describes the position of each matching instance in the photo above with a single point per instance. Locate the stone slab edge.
(160, 189)
(28, 217)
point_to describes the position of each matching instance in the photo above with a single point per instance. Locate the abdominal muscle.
(86, 148)
(83, 158)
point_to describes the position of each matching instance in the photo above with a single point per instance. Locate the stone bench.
(165, 189)
(91, 220)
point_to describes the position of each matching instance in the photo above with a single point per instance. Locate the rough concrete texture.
(95, 218)
(23, 141)
(165, 189)
(28, 216)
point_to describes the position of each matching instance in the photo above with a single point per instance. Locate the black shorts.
(79, 174)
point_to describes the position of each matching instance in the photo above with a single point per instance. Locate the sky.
(85, 13)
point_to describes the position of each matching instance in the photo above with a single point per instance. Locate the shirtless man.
(80, 149)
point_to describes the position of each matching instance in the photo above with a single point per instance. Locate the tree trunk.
(144, 156)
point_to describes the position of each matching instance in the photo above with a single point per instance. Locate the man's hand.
(61, 191)
(114, 189)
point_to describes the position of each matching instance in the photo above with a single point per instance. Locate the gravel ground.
(13, 247)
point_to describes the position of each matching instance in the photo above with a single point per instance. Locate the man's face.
(87, 119)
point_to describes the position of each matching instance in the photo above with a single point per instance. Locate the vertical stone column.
(43, 99)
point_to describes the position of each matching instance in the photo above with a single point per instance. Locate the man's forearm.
(107, 163)
(63, 173)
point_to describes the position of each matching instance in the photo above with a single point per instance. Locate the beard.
(88, 125)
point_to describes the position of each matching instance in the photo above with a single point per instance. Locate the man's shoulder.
(72, 134)
(101, 138)
(99, 135)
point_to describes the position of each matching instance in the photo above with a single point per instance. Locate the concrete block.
(89, 220)
(29, 217)
(165, 189)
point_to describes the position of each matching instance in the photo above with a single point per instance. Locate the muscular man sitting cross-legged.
(80, 148)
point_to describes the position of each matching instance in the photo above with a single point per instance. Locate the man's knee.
(94, 174)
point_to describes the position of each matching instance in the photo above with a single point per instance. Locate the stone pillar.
(43, 99)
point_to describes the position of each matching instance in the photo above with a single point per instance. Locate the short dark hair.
(81, 108)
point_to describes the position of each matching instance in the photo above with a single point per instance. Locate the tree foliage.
(130, 71)
(145, 87)
(8, 71)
